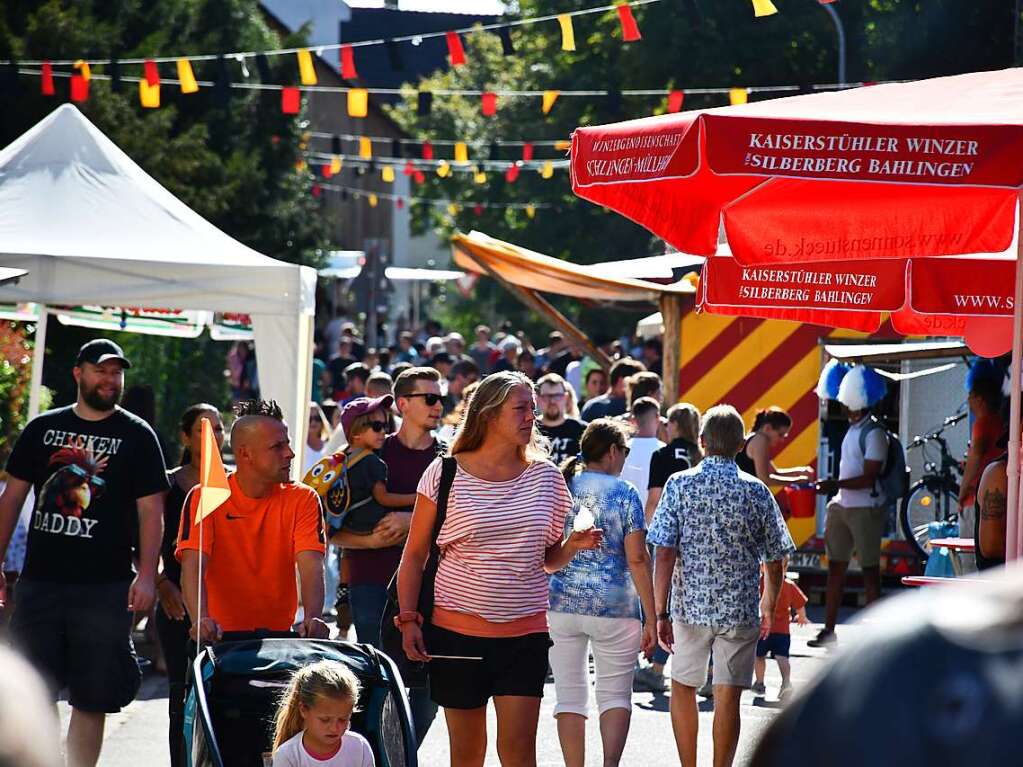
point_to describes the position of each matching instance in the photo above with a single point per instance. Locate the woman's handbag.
(415, 674)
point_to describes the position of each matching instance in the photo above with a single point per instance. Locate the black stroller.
(232, 699)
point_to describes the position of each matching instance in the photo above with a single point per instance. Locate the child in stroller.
(236, 687)
(314, 718)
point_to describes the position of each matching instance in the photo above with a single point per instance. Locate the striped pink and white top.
(494, 540)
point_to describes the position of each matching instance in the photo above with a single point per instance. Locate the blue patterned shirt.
(723, 522)
(598, 582)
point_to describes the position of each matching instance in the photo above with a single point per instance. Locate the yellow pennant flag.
(306, 72)
(187, 76)
(480, 177)
(358, 102)
(548, 170)
(83, 69)
(549, 97)
(149, 95)
(531, 210)
(461, 152)
(373, 200)
(738, 96)
(213, 486)
(562, 146)
(365, 148)
(335, 165)
(567, 33)
(452, 209)
(763, 8)
(444, 169)
(387, 173)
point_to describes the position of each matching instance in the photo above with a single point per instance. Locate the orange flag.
(213, 487)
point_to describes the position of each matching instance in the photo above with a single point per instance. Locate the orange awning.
(535, 271)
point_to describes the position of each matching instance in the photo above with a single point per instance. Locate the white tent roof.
(91, 227)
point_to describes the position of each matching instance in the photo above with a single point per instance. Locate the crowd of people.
(530, 514)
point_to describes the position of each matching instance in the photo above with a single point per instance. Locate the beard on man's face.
(98, 400)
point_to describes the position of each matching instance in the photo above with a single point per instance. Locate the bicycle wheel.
(926, 502)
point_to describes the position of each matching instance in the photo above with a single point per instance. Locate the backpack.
(329, 477)
(893, 480)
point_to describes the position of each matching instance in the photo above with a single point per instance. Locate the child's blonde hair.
(325, 678)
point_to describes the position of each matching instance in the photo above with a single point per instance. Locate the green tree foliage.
(722, 45)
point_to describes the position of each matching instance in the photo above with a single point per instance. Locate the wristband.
(664, 616)
(408, 616)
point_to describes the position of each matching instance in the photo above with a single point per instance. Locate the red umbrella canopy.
(927, 168)
(896, 174)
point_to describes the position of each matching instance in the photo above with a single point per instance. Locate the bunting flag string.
(548, 97)
(358, 193)
(443, 167)
(453, 38)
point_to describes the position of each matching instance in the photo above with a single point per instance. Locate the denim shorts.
(78, 636)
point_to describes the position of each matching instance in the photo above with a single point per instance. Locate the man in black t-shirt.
(563, 432)
(92, 465)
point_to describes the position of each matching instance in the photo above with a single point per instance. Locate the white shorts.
(734, 650)
(615, 643)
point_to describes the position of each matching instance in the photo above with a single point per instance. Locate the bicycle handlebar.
(952, 420)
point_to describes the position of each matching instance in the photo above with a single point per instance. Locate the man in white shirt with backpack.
(855, 516)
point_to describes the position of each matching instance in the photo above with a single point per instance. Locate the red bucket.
(802, 500)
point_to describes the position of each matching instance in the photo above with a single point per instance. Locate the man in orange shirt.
(252, 544)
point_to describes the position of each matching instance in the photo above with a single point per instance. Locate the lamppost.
(837, 21)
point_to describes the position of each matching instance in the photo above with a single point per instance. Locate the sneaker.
(707, 691)
(785, 692)
(824, 638)
(758, 688)
(648, 680)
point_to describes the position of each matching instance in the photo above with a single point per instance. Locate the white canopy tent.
(91, 227)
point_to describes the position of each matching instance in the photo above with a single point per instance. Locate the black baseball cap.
(99, 351)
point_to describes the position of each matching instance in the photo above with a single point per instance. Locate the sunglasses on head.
(430, 399)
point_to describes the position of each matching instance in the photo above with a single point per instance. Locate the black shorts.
(510, 666)
(777, 645)
(78, 636)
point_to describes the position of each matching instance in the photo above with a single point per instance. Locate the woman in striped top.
(501, 536)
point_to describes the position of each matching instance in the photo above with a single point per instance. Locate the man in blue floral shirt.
(713, 526)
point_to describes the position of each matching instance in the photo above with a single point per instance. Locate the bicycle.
(935, 496)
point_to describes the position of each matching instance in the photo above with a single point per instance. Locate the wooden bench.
(956, 546)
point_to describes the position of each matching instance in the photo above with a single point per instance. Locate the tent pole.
(1012, 521)
(671, 356)
(38, 353)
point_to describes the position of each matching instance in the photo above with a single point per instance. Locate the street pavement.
(137, 735)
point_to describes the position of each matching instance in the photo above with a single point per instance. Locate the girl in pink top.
(501, 536)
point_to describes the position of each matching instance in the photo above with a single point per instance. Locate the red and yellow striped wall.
(751, 364)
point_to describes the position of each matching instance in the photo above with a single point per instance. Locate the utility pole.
(840, 30)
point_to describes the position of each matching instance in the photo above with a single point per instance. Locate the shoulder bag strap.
(447, 478)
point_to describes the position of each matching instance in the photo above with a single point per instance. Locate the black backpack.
(894, 477)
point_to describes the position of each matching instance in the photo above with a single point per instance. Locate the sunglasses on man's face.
(430, 399)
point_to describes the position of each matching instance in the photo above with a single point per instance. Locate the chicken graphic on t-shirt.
(72, 487)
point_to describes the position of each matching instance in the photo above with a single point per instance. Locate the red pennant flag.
(348, 63)
(477, 209)
(152, 73)
(409, 168)
(675, 99)
(418, 177)
(79, 88)
(400, 202)
(290, 100)
(46, 85)
(527, 152)
(427, 150)
(316, 190)
(630, 31)
(489, 104)
(455, 49)
(511, 174)
(326, 170)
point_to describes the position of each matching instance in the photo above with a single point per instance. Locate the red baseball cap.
(361, 406)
